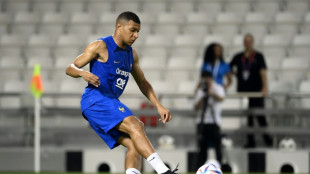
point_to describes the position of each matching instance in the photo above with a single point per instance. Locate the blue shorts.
(104, 115)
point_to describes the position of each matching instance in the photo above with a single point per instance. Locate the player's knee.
(137, 127)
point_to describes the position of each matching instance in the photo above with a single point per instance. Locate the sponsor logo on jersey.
(120, 83)
(121, 72)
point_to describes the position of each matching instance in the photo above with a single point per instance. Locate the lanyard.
(216, 69)
(247, 65)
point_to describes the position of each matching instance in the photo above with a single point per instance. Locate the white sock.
(132, 171)
(157, 163)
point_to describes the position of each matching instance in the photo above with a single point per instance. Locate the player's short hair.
(205, 74)
(127, 16)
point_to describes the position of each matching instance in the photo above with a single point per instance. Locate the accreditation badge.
(246, 74)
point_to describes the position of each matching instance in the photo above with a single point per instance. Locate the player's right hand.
(91, 78)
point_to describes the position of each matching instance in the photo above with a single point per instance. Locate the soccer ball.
(209, 169)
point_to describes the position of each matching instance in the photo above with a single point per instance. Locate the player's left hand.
(164, 114)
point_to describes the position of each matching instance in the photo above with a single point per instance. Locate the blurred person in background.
(208, 101)
(250, 69)
(215, 64)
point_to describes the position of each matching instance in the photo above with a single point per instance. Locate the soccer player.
(111, 60)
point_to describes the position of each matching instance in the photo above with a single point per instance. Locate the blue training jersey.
(113, 74)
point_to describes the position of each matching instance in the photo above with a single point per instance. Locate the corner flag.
(36, 85)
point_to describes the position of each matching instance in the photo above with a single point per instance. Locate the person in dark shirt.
(250, 68)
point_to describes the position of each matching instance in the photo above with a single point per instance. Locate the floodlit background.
(171, 44)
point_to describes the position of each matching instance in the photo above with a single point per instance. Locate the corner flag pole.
(36, 88)
(37, 135)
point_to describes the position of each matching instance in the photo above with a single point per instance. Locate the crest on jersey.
(122, 109)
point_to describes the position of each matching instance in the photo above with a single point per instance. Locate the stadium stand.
(171, 44)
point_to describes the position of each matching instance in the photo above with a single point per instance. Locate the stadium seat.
(11, 67)
(183, 63)
(158, 40)
(11, 63)
(132, 87)
(186, 87)
(52, 24)
(227, 24)
(164, 87)
(10, 103)
(153, 75)
(175, 75)
(72, 86)
(300, 45)
(197, 23)
(154, 6)
(299, 7)
(305, 28)
(41, 7)
(286, 24)
(92, 37)
(256, 24)
(183, 103)
(240, 7)
(5, 21)
(45, 62)
(269, 7)
(82, 23)
(14, 86)
(99, 6)
(24, 24)
(188, 40)
(146, 18)
(275, 45)
(224, 41)
(127, 5)
(68, 102)
(68, 45)
(274, 62)
(182, 6)
(62, 62)
(157, 63)
(293, 70)
(39, 45)
(180, 51)
(154, 52)
(11, 45)
(168, 24)
(106, 25)
(305, 88)
(71, 6)
(280, 87)
(212, 7)
(132, 103)
(14, 6)
(237, 45)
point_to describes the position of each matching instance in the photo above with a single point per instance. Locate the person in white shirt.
(208, 101)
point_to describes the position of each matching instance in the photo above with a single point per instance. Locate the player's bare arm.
(95, 50)
(147, 89)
